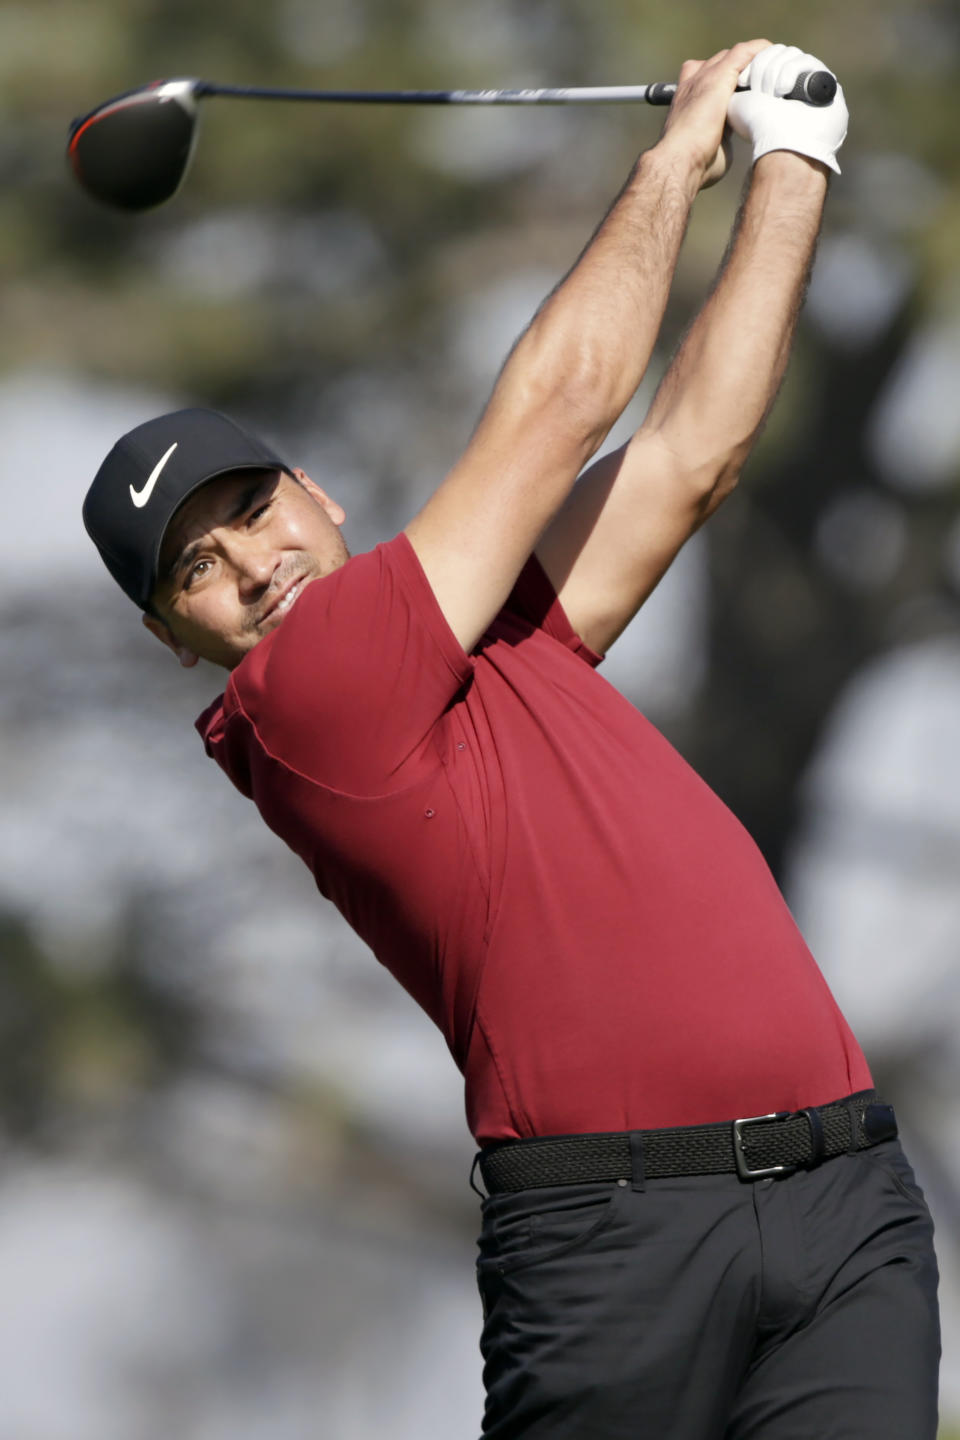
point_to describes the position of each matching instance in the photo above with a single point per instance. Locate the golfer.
(698, 1221)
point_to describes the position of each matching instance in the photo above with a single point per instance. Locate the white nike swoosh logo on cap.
(140, 497)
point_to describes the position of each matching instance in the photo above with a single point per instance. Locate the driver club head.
(133, 151)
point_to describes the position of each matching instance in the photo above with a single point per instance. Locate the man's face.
(234, 559)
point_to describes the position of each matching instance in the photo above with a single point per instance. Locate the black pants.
(801, 1308)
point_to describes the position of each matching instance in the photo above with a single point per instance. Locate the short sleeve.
(350, 687)
(534, 600)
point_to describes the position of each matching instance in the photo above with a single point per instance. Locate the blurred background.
(233, 1200)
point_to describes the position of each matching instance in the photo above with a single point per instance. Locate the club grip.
(660, 93)
(816, 87)
(813, 87)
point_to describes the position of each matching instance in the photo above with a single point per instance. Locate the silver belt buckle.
(743, 1169)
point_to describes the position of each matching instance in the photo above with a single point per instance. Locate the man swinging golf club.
(698, 1222)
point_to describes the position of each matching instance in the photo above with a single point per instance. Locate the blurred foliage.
(88, 286)
(73, 1042)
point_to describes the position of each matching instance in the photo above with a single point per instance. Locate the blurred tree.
(75, 1043)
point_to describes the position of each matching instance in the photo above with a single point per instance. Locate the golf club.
(133, 151)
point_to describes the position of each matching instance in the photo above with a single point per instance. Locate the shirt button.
(429, 813)
(461, 745)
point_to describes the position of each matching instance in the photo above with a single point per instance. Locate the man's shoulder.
(351, 683)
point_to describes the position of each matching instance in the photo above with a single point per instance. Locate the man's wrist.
(672, 164)
(802, 174)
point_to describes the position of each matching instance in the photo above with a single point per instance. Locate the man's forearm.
(718, 390)
(589, 345)
(594, 335)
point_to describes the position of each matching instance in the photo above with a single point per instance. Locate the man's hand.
(697, 117)
(721, 162)
(762, 116)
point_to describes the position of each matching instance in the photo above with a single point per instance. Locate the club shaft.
(815, 87)
(657, 94)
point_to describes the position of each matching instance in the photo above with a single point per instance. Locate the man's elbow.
(705, 477)
(573, 382)
(713, 487)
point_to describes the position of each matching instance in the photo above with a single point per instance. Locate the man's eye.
(259, 510)
(197, 571)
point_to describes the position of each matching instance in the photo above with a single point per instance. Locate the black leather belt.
(753, 1148)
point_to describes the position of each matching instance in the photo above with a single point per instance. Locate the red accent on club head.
(139, 162)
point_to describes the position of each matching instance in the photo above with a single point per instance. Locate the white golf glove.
(760, 115)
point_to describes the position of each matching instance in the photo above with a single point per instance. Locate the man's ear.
(166, 637)
(336, 512)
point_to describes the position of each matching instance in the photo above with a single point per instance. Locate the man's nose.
(255, 566)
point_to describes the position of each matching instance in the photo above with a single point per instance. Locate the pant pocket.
(532, 1227)
(889, 1157)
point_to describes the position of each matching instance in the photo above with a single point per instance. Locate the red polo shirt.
(596, 935)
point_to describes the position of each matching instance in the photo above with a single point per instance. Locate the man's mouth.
(279, 607)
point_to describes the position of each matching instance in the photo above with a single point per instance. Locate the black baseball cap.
(146, 478)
